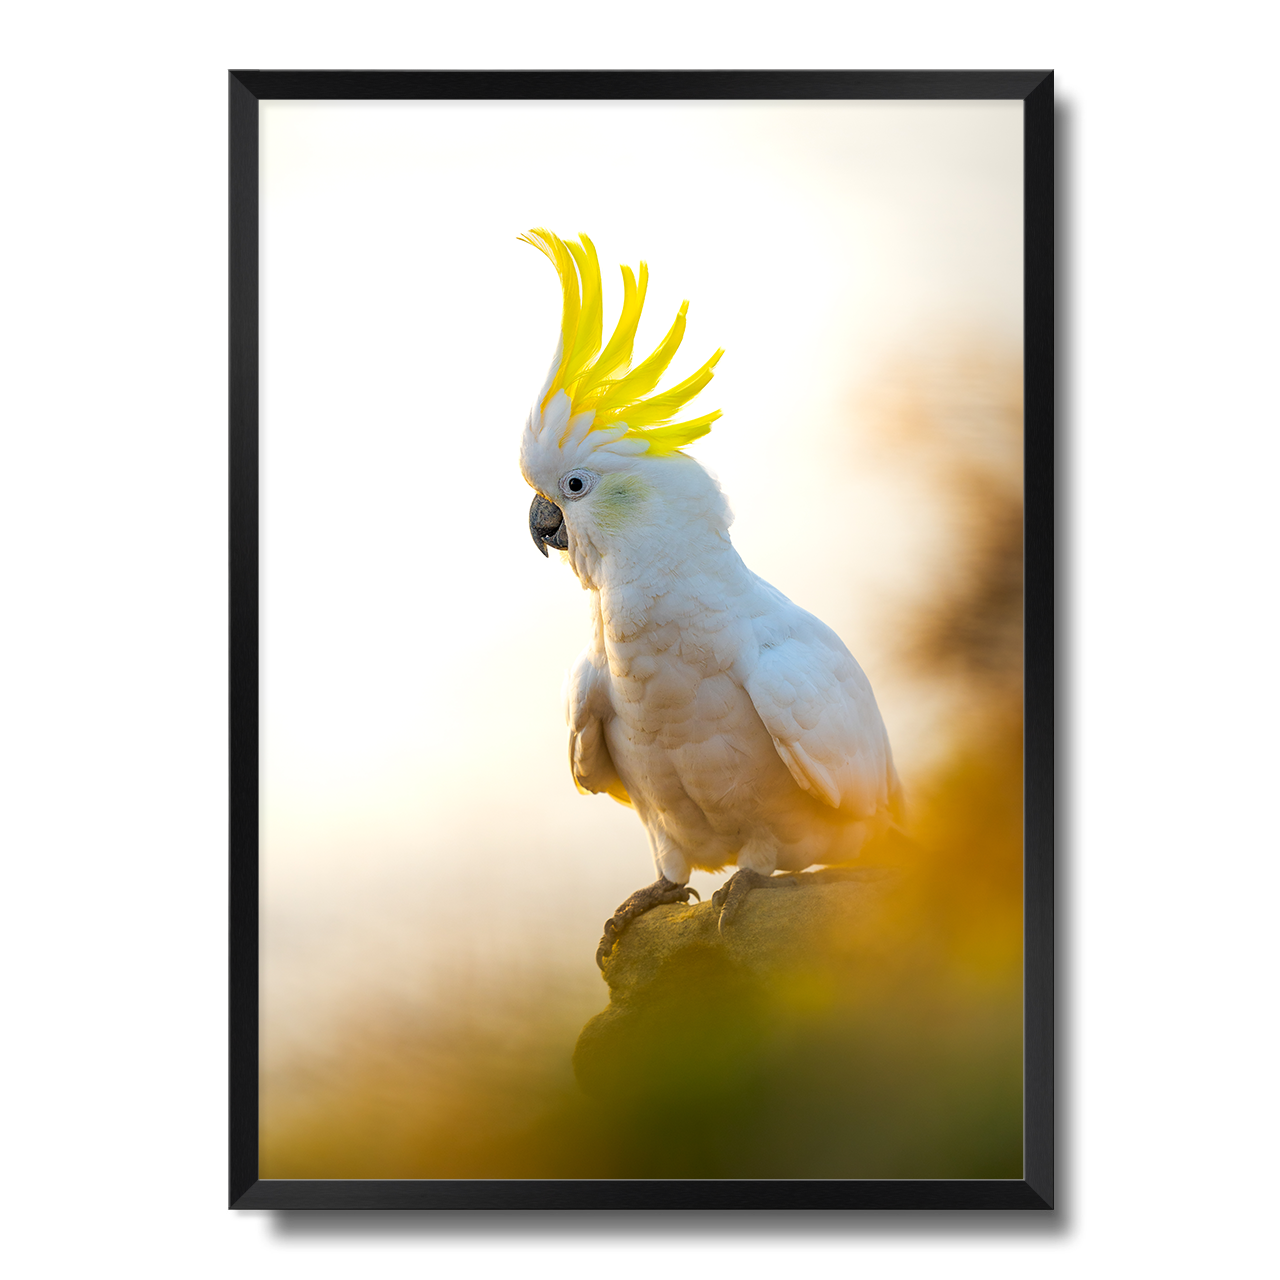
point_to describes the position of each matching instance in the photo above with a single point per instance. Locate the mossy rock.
(690, 1004)
(828, 1034)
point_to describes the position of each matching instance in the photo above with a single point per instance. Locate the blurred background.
(432, 885)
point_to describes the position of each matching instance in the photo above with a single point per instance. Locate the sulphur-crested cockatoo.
(738, 726)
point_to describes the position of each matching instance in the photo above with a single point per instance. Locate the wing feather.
(587, 707)
(820, 712)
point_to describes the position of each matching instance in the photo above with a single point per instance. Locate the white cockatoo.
(738, 726)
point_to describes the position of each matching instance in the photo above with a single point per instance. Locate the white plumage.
(738, 725)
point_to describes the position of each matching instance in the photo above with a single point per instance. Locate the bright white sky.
(414, 760)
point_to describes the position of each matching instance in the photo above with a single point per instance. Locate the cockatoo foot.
(730, 896)
(661, 892)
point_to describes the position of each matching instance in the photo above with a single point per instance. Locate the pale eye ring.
(577, 483)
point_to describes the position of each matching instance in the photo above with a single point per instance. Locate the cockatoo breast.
(677, 641)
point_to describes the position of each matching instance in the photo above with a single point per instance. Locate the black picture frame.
(1036, 1189)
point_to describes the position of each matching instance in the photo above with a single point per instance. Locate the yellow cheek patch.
(617, 500)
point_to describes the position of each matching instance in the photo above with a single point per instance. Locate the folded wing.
(587, 707)
(819, 710)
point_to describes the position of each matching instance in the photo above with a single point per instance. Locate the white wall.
(112, 503)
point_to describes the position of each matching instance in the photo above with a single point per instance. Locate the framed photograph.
(641, 545)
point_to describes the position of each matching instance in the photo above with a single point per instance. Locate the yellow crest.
(603, 382)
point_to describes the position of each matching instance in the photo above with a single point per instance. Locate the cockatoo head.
(599, 445)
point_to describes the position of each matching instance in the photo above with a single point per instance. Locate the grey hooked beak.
(546, 523)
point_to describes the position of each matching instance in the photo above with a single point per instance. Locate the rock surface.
(712, 1002)
(830, 1033)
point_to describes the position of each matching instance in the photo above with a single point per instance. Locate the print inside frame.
(383, 373)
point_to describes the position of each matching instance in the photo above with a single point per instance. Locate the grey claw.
(730, 895)
(661, 892)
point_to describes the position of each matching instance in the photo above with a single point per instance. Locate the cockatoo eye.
(577, 484)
